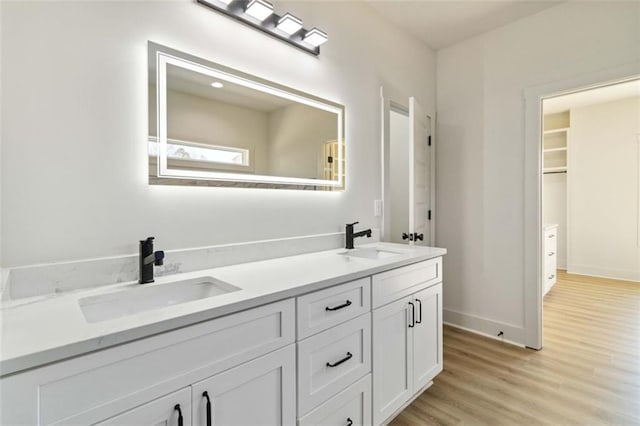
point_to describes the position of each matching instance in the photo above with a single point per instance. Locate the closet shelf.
(562, 148)
(551, 131)
(554, 169)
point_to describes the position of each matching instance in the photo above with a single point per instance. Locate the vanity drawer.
(93, 387)
(326, 308)
(397, 283)
(352, 406)
(332, 360)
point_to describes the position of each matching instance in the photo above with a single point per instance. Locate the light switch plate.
(377, 208)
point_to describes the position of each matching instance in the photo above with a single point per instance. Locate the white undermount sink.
(147, 297)
(370, 253)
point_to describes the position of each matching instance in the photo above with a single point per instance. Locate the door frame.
(391, 99)
(533, 227)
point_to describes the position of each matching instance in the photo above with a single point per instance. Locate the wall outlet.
(377, 208)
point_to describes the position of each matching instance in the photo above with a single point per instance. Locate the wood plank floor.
(588, 372)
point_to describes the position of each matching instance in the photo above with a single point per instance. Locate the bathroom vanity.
(335, 337)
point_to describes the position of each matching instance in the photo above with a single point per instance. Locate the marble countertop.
(40, 331)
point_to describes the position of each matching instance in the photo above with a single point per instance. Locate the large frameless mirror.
(210, 125)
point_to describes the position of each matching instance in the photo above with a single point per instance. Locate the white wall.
(480, 151)
(74, 181)
(604, 190)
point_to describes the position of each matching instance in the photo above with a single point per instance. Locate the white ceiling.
(441, 23)
(592, 97)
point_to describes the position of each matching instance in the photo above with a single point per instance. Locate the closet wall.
(603, 197)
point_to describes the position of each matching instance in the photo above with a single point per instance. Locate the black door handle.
(180, 418)
(337, 363)
(417, 236)
(419, 310)
(205, 394)
(413, 315)
(335, 308)
(349, 421)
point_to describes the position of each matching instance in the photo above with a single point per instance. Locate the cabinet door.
(164, 411)
(259, 392)
(392, 349)
(427, 336)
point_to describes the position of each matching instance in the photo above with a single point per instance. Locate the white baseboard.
(614, 274)
(485, 327)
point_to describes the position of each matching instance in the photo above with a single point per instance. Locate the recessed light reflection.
(217, 85)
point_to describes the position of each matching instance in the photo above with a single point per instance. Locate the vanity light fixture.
(259, 9)
(217, 85)
(289, 24)
(315, 37)
(259, 14)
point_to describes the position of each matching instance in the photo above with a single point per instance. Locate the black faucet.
(351, 235)
(147, 259)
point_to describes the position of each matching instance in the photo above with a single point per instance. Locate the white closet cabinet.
(407, 338)
(171, 410)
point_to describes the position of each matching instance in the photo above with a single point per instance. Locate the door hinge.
(429, 141)
(429, 215)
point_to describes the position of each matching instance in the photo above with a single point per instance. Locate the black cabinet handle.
(417, 236)
(345, 359)
(180, 418)
(335, 308)
(419, 310)
(205, 394)
(413, 315)
(406, 236)
(349, 421)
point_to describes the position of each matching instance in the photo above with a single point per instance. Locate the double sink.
(149, 297)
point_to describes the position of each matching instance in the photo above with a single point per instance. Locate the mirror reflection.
(210, 125)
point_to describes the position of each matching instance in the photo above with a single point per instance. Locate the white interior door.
(419, 174)
(407, 171)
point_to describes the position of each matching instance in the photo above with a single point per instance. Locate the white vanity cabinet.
(407, 335)
(100, 385)
(348, 355)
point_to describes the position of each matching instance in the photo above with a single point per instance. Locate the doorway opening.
(590, 199)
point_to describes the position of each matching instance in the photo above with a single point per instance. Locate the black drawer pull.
(349, 421)
(205, 394)
(335, 308)
(413, 315)
(180, 418)
(551, 277)
(345, 359)
(420, 311)
(551, 236)
(551, 254)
